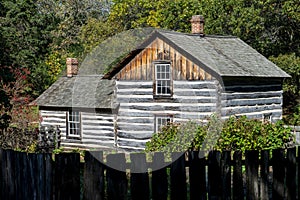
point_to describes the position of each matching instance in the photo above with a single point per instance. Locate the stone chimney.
(197, 22)
(72, 67)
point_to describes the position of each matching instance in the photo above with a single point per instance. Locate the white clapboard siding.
(253, 101)
(191, 100)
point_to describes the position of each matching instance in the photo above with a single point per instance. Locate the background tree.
(272, 27)
(39, 34)
(26, 36)
(291, 64)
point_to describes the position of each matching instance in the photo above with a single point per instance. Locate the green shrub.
(232, 134)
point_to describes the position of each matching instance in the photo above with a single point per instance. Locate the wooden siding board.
(185, 108)
(139, 134)
(136, 119)
(251, 95)
(249, 102)
(253, 88)
(141, 68)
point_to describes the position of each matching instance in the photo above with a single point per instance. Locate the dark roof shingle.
(79, 92)
(225, 55)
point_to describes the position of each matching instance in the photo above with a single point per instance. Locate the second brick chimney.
(72, 66)
(197, 22)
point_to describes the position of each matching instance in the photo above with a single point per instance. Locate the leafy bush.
(249, 134)
(19, 139)
(232, 134)
(176, 137)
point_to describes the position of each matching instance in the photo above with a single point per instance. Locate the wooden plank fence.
(220, 175)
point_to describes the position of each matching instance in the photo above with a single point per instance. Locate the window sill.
(163, 98)
(70, 138)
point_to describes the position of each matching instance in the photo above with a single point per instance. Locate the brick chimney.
(197, 22)
(72, 67)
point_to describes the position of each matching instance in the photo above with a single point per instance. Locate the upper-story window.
(74, 124)
(163, 79)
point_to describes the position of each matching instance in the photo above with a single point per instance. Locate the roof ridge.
(195, 35)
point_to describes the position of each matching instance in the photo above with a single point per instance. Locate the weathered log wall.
(253, 100)
(97, 129)
(191, 100)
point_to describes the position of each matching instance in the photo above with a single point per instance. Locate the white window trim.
(158, 124)
(163, 79)
(69, 135)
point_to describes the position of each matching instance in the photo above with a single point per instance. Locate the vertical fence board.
(159, 183)
(291, 174)
(264, 171)
(278, 159)
(8, 189)
(49, 172)
(238, 189)
(40, 169)
(251, 162)
(116, 177)
(1, 176)
(226, 174)
(139, 179)
(214, 175)
(31, 177)
(67, 176)
(178, 177)
(18, 172)
(26, 193)
(298, 170)
(27, 176)
(93, 176)
(197, 176)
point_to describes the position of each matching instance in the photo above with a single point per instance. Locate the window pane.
(168, 68)
(158, 68)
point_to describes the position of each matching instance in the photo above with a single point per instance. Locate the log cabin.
(170, 77)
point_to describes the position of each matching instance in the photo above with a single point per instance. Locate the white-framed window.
(163, 79)
(162, 120)
(74, 124)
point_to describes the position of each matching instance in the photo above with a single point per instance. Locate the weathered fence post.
(116, 177)
(8, 178)
(291, 174)
(226, 174)
(1, 171)
(178, 177)
(67, 176)
(197, 176)
(93, 176)
(278, 160)
(139, 179)
(264, 173)
(214, 175)
(159, 177)
(238, 189)
(251, 163)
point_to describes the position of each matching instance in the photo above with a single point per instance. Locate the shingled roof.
(84, 92)
(220, 55)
